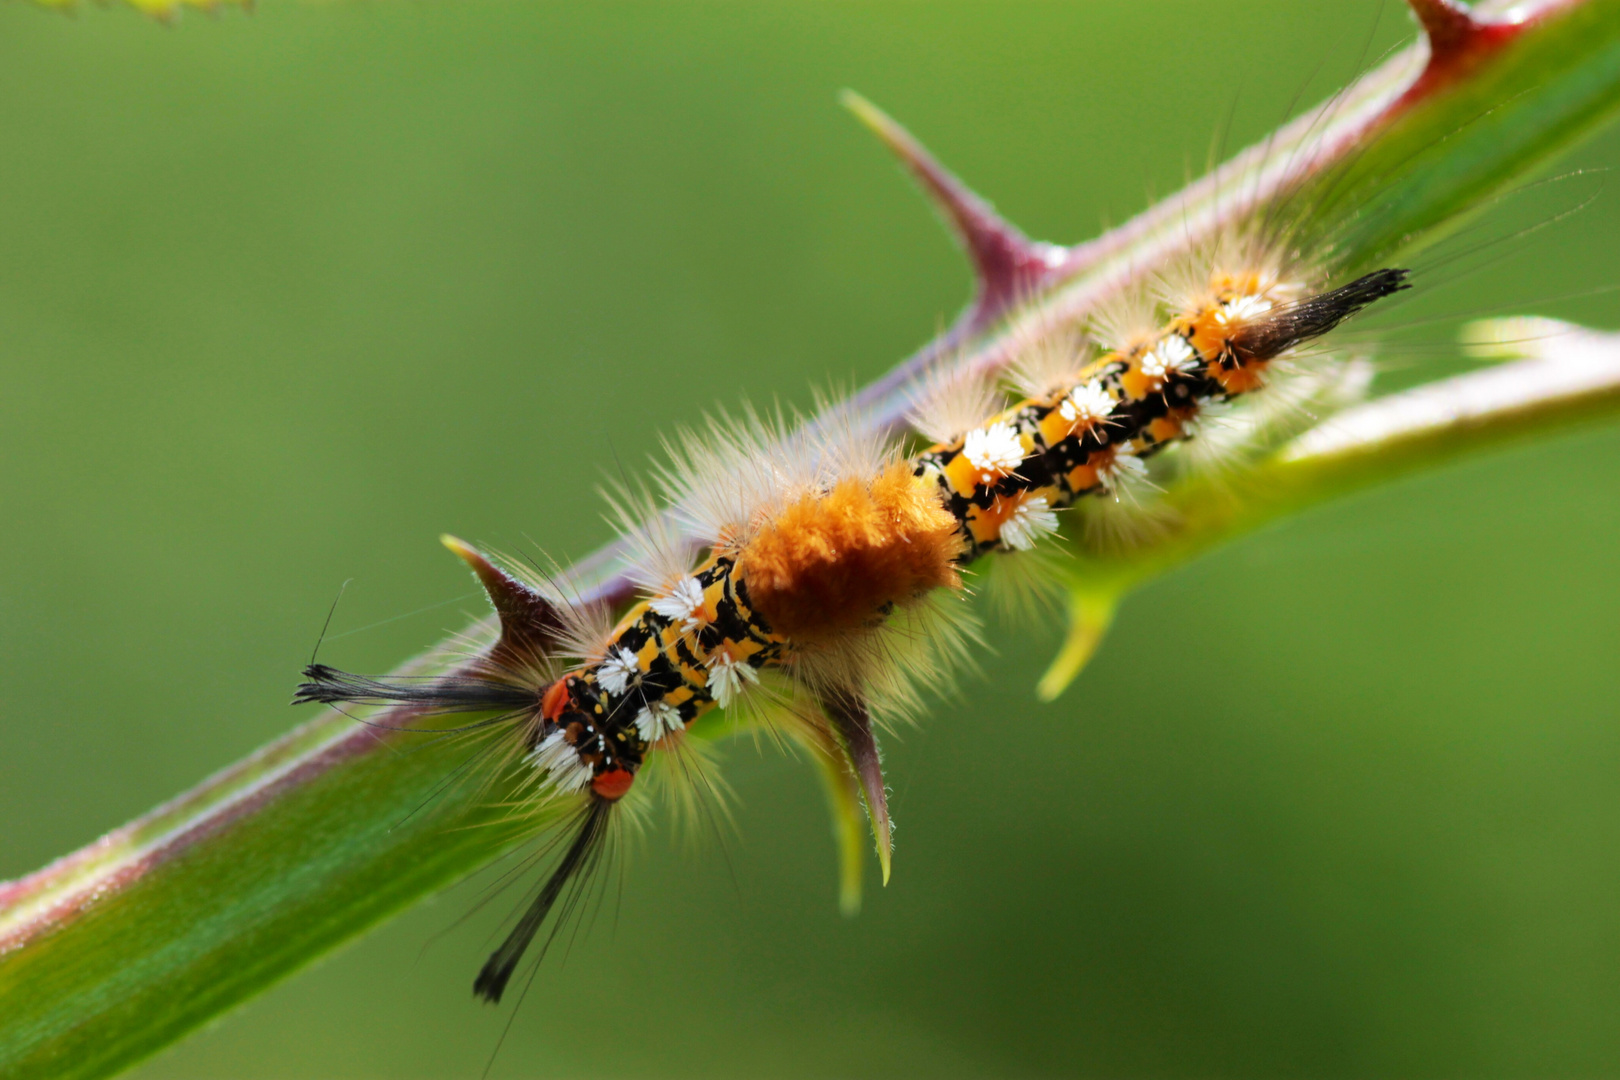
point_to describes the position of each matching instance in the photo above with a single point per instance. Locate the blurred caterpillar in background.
(824, 596)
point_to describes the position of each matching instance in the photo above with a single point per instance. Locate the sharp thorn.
(529, 621)
(852, 724)
(1091, 613)
(1445, 23)
(844, 801)
(1008, 264)
(1456, 38)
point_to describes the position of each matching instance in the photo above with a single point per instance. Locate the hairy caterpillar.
(827, 554)
(819, 555)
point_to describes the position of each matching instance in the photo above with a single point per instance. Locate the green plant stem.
(1573, 379)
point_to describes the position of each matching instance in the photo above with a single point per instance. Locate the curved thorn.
(1457, 38)
(1447, 24)
(529, 622)
(844, 801)
(852, 723)
(1008, 264)
(1091, 613)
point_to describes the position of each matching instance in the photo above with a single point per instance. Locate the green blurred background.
(283, 296)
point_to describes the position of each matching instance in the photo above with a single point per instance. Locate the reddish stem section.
(1007, 264)
(1458, 40)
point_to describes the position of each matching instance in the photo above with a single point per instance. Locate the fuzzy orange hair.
(833, 563)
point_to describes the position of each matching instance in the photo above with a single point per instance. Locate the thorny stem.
(1025, 288)
(118, 949)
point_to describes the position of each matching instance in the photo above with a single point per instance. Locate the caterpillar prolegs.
(826, 557)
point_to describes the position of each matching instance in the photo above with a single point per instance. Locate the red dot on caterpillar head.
(555, 700)
(613, 783)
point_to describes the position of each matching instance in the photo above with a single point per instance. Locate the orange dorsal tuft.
(832, 563)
